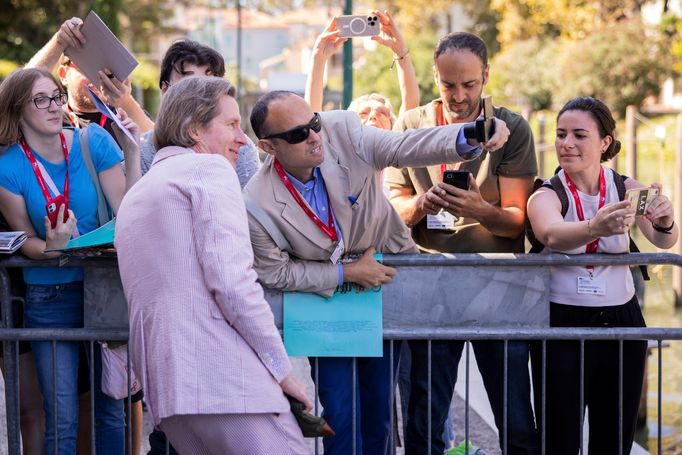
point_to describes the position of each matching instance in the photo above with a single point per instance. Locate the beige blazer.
(202, 336)
(354, 155)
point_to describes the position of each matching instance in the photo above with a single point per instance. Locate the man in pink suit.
(202, 337)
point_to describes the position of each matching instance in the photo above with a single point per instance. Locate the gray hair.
(193, 101)
(357, 102)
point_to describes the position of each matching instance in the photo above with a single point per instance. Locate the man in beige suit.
(317, 198)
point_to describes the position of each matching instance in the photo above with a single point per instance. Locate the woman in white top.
(596, 222)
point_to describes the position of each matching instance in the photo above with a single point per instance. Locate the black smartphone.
(458, 179)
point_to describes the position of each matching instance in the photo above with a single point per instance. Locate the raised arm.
(325, 46)
(390, 37)
(69, 34)
(114, 183)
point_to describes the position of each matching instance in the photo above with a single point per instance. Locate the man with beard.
(487, 218)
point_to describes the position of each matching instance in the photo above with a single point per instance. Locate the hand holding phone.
(458, 179)
(52, 209)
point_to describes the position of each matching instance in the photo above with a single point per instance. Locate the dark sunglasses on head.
(300, 133)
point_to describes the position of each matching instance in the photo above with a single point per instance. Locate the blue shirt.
(17, 176)
(314, 192)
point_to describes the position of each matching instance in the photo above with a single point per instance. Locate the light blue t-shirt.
(17, 176)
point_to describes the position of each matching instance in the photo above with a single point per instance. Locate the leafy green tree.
(372, 72)
(522, 74)
(28, 24)
(620, 64)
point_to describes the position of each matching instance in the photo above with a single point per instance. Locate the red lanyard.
(329, 228)
(592, 246)
(76, 121)
(39, 175)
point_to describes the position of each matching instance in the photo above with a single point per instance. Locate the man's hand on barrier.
(367, 272)
(295, 388)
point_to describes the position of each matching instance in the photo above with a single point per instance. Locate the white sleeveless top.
(618, 279)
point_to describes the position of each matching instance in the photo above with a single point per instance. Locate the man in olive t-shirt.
(487, 218)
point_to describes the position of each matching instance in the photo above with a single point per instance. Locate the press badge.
(591, 286)
(338, 252)
(444, 221)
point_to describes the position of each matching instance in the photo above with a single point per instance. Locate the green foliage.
(522, 74)
(371, 73)
(620, 64)
(146, 75)
(28, 24)
(6, 67)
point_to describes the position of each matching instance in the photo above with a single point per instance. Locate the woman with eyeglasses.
(43, 174)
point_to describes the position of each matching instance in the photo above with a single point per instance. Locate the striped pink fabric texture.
(202, 336)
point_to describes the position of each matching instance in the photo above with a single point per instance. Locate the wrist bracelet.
(664, 230)
(589, 231)
(396, 58)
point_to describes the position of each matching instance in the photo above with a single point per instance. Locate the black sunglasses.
(300, 133)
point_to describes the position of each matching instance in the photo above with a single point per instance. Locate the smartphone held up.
(355, 26)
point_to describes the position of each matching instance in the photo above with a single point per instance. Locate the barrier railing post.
(11, 359)
(631, 141)
(677, 201)
(542, 146)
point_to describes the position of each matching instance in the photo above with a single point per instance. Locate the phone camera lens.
(375, 18)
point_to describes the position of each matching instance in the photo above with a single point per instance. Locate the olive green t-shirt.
(515, 159)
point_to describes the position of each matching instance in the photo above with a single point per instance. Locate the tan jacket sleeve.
(278, 270)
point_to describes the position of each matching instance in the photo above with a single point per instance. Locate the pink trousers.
(235, 434)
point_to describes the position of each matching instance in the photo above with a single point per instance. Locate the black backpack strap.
(558, 187)
(619, 180)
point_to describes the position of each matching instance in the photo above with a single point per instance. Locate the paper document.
(348, 324)
(101, 50)
(100, 237)
(12, 241)
(104, 109)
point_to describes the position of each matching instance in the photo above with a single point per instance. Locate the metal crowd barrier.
(433, 297)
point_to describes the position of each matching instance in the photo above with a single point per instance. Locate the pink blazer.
(202, 337)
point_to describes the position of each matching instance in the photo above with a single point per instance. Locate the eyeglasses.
(43, 102)
(300, 133)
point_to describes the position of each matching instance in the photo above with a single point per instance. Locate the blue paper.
(103, 236)
(346, 325)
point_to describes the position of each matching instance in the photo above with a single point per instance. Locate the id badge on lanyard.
(329, 229)
(589, 285)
